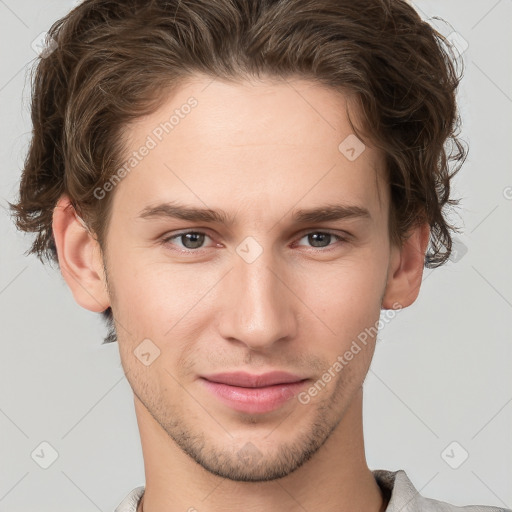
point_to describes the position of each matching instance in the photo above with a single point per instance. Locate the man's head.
(258, 113)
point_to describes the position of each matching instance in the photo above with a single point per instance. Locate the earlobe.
(406, 269)
(79, 258)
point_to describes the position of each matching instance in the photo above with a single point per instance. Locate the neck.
(335, 478)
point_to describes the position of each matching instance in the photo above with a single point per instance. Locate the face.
(261, 287)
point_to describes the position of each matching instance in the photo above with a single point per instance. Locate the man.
(240, 188)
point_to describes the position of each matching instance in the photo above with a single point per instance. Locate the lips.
(247, 380)
(254, 394)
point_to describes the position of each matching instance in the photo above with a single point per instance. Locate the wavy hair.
(116, 60)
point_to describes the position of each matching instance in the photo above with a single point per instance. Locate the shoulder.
(403, 496)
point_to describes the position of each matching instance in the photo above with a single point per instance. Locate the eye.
(193, 241)
(189, 240)
(322, 239)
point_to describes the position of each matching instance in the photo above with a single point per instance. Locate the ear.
(79, 257)
(406, 269)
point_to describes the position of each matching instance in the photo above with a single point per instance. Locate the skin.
(258, 150)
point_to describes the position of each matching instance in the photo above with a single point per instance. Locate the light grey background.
(441, 371)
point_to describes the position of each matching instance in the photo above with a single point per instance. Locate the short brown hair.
(115, 60)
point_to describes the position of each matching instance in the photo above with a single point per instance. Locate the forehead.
(264, 112)
(264, 144)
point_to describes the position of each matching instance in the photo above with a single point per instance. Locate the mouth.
(254, 393)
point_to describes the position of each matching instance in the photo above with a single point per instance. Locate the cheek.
(347, 299)
(159, 300)
(155, 303)
(150, 302)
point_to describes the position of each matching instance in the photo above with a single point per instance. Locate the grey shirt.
(403, 497)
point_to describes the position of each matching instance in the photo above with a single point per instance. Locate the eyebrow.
(329, 212)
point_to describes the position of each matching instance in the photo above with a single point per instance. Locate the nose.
(257, 307)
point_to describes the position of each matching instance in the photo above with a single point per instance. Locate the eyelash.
(167, 240)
